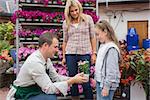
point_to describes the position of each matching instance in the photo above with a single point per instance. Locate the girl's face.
(74, 12)
(100, 35)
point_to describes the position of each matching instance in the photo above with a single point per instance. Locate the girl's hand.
(104, 92)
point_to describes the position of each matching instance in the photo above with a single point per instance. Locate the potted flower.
(140, 63)
(134, 67)
(4, 46)
(4, 55)
(84, 67)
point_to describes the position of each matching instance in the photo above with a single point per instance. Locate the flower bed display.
(47, 17)
(59, 2)
(135, 66)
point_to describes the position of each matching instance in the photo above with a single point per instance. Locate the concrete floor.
(4, 91)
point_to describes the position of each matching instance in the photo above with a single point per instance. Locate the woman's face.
(100, 35)
(74, 12)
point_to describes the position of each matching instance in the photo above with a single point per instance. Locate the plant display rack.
(36, 16)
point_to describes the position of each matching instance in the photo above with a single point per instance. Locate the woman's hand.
(105, 92)
(93, 58)
(63, 61)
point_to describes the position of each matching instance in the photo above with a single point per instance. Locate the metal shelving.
(25, 23)
(41, 24)
(49, 6)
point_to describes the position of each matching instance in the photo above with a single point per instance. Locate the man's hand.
(104, 92)
(79, 78)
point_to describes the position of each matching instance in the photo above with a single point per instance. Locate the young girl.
(107, 73)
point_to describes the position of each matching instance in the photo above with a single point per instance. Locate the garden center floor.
(4, 91)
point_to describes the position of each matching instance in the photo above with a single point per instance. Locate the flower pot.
(87, 76)
(86, 4)
(22, 19)
(36, 20)
(41, 20)
(137, 91)
(54, 2)
(35, 1)
(29, 20)
(21, 0)
(28, 1)
(49, 2)
(35, 38)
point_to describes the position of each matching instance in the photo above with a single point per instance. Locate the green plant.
(4, 45)
(140, 63)
(6, 30)
(84, 66)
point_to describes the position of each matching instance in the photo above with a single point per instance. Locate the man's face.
(53, 48)
(74, 12)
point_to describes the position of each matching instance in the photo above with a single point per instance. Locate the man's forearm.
(71, 81)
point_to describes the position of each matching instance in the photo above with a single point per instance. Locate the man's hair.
(46, 37)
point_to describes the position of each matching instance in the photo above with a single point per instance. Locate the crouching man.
(37, 79)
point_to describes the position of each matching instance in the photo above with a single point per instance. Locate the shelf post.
(17, 40)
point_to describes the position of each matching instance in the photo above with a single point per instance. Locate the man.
(37, 79)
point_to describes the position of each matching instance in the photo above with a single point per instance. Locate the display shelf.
(32, 15)
(31, 21)
(37, 15)
(35, 38)
(41, 24)
(29, 43)
(49, 6)
(40, 5)
(3, 14)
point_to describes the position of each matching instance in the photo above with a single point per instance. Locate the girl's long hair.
(68, 17)
(106, 27)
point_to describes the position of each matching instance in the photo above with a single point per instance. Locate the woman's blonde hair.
(75, 3)
(106, 27)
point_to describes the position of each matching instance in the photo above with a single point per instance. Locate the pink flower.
(80, 88)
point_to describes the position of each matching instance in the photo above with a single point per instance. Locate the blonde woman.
(107, 73)
(79, 43)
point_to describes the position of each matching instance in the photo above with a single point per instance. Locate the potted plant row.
(91, 3)
(38, 16)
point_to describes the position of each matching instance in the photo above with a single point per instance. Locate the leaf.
(138, 78)
(133, 65)
(6, 30)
